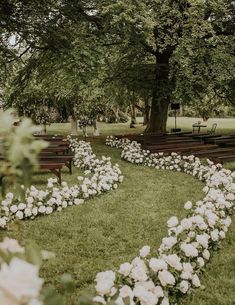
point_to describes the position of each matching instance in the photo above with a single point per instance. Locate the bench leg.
(57, 173)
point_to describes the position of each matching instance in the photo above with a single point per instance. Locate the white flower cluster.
(20, 283)
(174, 270)
(99, 176)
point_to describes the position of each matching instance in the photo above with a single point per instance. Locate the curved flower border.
(174, 271)
(99, 176)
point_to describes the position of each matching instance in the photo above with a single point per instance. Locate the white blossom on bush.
(187, 248)
(99, 176)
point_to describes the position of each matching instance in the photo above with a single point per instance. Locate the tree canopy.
(74, 52)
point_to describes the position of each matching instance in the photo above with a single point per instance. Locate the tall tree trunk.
(161, 96)
(133, 115)
(146, 111)
(74, 126)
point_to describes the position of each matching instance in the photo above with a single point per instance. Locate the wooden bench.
(215, 151)
(53, 166)
(223, 159)
(66, 159)
(55, 149)
(184, 149)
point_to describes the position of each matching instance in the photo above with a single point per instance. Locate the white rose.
(206, 254)
(186, 223)
(202, 239)
(30, 200)
(19, 281)
(42, 209)
(169, 242)
(78, 201)
(144, 251)
(166, 278)
(222, 234)
(165, 301)
(3, 222)
(157, 264)
(196, 281)
(28, 212)
(11, 245)
(145, 296)
(49, 210)
(125, 269)
(126, 291)
(184, 286)
(158, 291)
(21, 206)
(188, 205)
(35, 211)
(200, 261)
(215, 235)
(174, 261)
(19, 215)
(189, 250)
(172, 222)
(13, 208)
(138, 274)
(99, 299)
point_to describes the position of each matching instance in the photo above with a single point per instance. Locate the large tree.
(164, 48)
(187, 43)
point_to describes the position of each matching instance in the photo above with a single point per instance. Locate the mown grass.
(110, 229)
(225, 126)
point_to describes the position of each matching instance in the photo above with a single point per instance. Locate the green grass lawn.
(225, 126)
(110, 229)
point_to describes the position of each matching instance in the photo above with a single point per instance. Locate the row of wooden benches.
(215, 147)
(54, 157)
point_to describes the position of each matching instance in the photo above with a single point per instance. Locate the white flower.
(174, 261)
(125, 269)
(157, 264)
(186, 223)
(200, 261)
(19, 215)
(184, 286)
(215, 235)
(19, 282)
(30, 200)
(42, 209)
(99, 299)
(172, 222)
(49, 210)
(206, 254)
(189, 250)
(169, 242)
(35, 211)
(196, 281)
(21, 206)
(165, 301)
(126, 291)
(166, 278)
(28, 212)
(78, 201)
(11, 245)
(105, 281)
(3, 222)
(145, 296)
(144, 251)
(158, 291)
(13, 208)
(188, 205)
(202, 239)
(138, 273)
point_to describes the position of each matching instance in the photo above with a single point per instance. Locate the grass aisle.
(110, 229)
